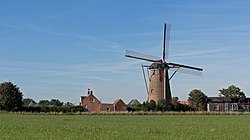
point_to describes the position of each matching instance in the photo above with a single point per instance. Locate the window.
(93, 100)
(107, 109)
(231, 108)
(235, 107)
(216, 107)
(152, 91)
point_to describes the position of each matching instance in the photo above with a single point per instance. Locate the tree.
(164, 105)
(55, 102)
(150, 106)
(28, 102)
(197, 100)
(68, 104)
(44, 103)
(10, 97)
(232, 92)
(175, 101)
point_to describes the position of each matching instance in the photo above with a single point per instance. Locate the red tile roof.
(184, 102)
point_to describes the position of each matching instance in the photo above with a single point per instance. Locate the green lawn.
(18, 126)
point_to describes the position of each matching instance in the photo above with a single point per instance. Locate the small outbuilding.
(221, 104)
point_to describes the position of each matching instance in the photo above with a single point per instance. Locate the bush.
(64, 109)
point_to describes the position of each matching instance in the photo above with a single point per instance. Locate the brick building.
(91, 104)
(107, 107)
(120, 106)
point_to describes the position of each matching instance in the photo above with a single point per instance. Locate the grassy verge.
(129, 113)
(21, 126)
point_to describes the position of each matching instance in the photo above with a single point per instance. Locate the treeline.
(63, 109)
(11, 99)
(197, 101)
(162, 106)
(54, 105)
(53, 102)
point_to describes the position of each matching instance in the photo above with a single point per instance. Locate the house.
(221, 104)
(120, 106)
(134, 102)
(90, 103)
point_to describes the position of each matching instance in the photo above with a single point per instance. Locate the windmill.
(159, 86)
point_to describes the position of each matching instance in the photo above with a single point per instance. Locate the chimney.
(88, 91)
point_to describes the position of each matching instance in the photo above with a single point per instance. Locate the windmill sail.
(175, 65)
(141, 56)
(164, 44)
(166, 40)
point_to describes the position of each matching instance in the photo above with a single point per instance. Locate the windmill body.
(155, 86)
(159, 80)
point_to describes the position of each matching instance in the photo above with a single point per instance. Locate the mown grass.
(21, 126)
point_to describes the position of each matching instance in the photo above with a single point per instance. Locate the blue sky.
(59, 49)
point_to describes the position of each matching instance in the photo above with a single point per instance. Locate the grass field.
(19, 126)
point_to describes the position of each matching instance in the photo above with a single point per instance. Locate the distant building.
(120, 106)
(91, 104)
(107, 107)
(221, 104)
(244, 104)
(134, 102)
(184, 102)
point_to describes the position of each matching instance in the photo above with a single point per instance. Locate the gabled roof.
(116, 101)
(134, 102)
(119, 100)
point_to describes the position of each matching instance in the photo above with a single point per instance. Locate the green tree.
(68, 104)
(28, 102)
(150, 106)
(164, 105)
(197, 100)
(10, 97)
(232, 92)
(44, 103)
(55, 102)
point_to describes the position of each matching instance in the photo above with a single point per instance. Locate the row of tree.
(53, 102)
(197, 101)
(166, 105)
(11, 99)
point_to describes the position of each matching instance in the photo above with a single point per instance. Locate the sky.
(58, 49)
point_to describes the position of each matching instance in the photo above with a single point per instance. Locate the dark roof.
(244, 100)
(218, 99)
(134, 102)
(83, 97)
